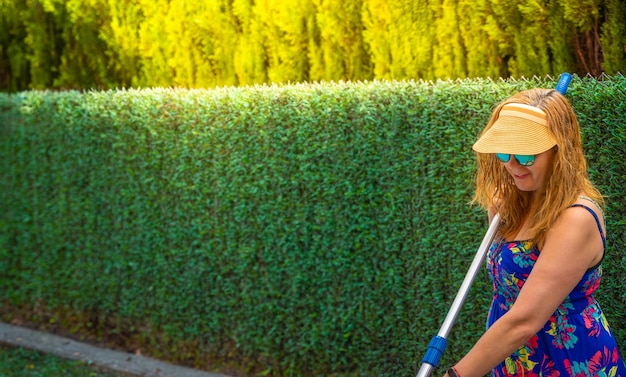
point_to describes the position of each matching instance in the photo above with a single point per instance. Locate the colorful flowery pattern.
(575, 342)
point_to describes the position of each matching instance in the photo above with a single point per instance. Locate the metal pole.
(438, 343)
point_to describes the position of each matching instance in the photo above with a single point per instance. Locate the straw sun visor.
(519, 129)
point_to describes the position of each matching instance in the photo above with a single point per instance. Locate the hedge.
(306, 230)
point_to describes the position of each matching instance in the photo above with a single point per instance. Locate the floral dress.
(576, 340)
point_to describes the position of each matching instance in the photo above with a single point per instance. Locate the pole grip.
(436, 347)
(435, 350)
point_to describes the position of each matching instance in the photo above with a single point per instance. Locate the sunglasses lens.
(522, 159)
(503, 157)
(525, 160)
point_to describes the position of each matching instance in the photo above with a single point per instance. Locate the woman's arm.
(571, 247)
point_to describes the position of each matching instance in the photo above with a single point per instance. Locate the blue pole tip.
(563, 83)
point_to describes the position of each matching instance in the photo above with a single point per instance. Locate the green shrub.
(301, 229)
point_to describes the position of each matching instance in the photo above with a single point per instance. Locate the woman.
(545, 264)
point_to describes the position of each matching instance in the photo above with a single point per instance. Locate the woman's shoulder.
(580, 229)
(587, 206)
(583, 217)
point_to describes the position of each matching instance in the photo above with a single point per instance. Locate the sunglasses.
(522, 159)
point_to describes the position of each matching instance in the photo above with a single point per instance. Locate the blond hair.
(568, 178)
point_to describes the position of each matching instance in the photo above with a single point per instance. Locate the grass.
(21, 362)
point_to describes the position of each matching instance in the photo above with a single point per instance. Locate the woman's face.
(534, 177)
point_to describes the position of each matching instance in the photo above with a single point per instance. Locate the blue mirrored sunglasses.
(522, 159)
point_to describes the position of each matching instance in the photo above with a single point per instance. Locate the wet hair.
(566, 180)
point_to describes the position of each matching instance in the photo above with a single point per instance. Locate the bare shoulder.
(577, 218)
(576, 231)
(590, 205)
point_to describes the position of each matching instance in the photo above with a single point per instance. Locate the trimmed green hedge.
(307, 230)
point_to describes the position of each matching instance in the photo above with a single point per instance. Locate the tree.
(285, 38)
(532, 49)
(14, 67)
(613, 38)
(337, 50)
(201, 43)
(399, 37)
(121, 35)
(585, 16)
(83, 61)
(449, 53)
(480, 48)
(62, 44)
(250, 58)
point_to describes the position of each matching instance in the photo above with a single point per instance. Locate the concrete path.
(114, 360)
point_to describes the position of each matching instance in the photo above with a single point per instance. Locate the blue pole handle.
(563, 83)
(436, 347)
